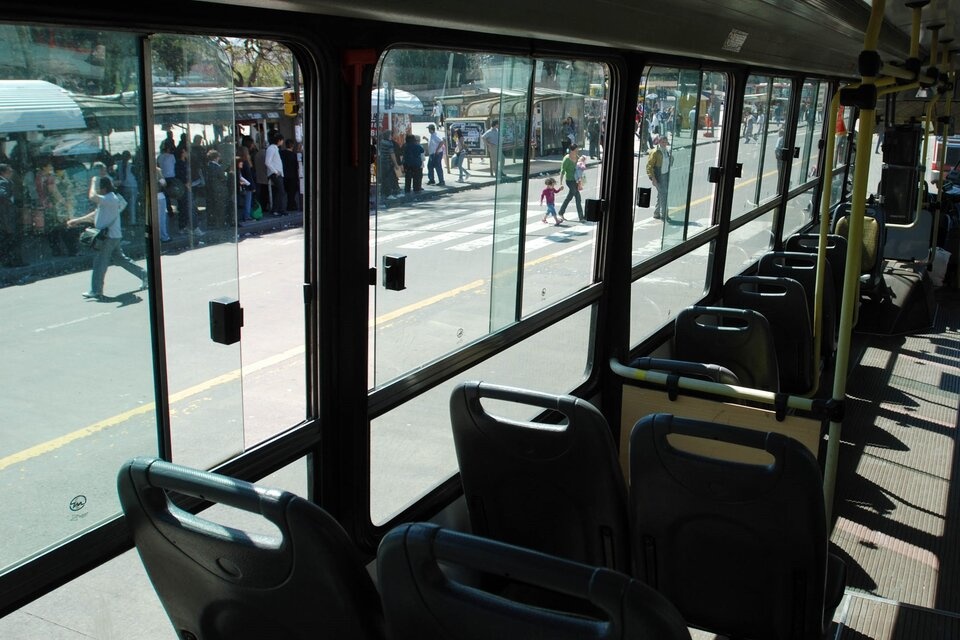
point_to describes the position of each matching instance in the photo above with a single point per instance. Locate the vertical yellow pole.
(851, 279)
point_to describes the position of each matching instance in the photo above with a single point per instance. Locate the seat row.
(764, 331)
(739, 549)
(558, 546)
(221, 583)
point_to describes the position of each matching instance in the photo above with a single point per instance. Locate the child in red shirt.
(549, 194)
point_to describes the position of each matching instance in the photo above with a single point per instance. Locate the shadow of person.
(126, 299)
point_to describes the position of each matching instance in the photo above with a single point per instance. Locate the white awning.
(36, 105)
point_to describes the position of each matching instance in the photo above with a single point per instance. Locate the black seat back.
(221, 583)
(740, 549)
(739, 339)
(783, 302)
(802, 267)
(424, 602)
(836, 255)
(554, 488)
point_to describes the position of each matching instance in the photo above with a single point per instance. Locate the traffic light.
(291, 106)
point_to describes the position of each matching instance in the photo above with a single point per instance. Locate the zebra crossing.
(466, 229)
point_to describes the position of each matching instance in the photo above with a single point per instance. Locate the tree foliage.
(240, 62)
(413, 68)
(257, 63)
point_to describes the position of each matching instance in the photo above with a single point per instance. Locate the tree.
(257, 63)
(427, 68)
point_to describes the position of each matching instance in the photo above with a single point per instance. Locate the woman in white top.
(107, 217)
(460, 151)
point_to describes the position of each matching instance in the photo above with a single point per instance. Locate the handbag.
(93, 237)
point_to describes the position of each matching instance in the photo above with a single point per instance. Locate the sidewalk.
(480, 176)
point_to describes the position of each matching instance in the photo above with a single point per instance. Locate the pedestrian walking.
(548, 194)
(107, 216)
(568, 173)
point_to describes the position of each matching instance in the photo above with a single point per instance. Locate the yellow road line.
(150, 407)
(426, 302)
(56, 443)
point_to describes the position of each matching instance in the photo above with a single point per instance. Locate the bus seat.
(551, 487)
(424, 602)
(872, 283)
(739, 339)
(221, 583)
(802, 267)
(740, 549)
(836, 256)
(698, 370)
(783, 302)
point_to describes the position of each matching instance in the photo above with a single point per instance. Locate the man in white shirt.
(435, 148)
(491, 140)
(274, 166)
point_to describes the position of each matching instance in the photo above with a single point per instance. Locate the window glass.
(800, 210)
(226, 398)
(748, 243)
(656, 298)
(773, 120)
(80, 375)
(809, 131)
(836, 188)
(77, 376)
(570, 105)
(199, 219)
(678, 116)
(766, 100)
(842, 129)
(411, 448)
(463, 152)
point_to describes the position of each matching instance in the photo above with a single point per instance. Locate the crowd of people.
(399, 162)
(199, 191)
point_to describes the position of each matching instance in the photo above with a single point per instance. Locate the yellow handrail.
(851, 276)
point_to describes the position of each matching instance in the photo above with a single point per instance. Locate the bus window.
(766, 100)
(679, 112)
(465, 146)
(240, 396)
(78, 372)
(809, 127)
(477, 256)
(558, 255)
(773, 128)
(109, 364)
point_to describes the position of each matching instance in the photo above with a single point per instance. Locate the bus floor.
(897, 507)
